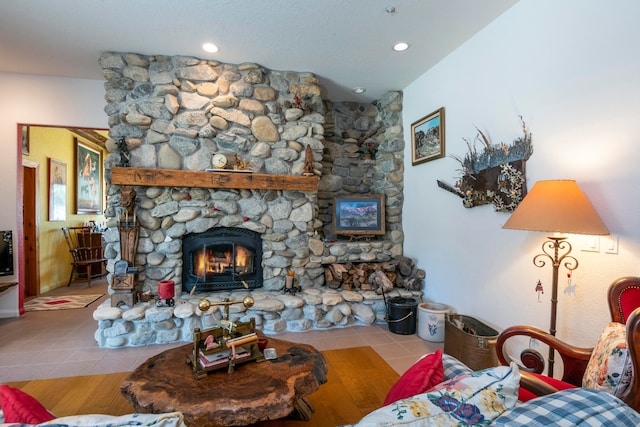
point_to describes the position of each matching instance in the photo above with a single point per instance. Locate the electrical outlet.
(610, 244)
(590, 243)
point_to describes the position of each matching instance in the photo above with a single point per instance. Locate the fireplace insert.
(222, 258)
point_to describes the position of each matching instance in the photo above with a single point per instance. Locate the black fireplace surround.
(223, 258)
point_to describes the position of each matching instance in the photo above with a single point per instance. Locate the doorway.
(42, 253)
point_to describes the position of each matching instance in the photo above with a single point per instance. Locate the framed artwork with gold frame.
(427, 138)
(88, 179)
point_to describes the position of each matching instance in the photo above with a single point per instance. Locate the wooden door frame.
(31, 258)
(20, 218)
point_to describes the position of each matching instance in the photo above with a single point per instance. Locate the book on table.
(221, 357)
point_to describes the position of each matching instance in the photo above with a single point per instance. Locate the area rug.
(65, 302)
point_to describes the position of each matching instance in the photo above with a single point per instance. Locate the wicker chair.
(624, 306)
(85, 247)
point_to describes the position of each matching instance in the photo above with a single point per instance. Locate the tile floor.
(60, 343)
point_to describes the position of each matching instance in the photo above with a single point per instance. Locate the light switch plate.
(590, 243)
(609, 244)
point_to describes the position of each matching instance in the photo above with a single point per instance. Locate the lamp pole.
(552, 249)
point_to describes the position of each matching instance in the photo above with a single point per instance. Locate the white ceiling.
(346, 43)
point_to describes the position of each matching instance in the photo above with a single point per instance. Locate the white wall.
(44, 101)
(571, 68)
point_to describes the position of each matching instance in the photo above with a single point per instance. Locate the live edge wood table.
(255, 391)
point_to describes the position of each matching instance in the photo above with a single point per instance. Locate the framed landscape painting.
(88, 179)
(361, 214)
(427, 138)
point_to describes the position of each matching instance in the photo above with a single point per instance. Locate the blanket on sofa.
(488, 397)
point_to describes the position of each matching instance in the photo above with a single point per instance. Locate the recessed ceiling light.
(359, 90)
(401, 46)
(210, 47)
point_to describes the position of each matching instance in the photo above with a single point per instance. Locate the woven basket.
(470, 341)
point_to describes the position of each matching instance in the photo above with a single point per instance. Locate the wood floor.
(357, 382)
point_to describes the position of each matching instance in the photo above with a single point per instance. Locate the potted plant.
(369, 150)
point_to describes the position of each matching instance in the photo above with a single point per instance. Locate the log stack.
(400, 272)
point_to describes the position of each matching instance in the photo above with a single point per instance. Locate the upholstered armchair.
(610, 365)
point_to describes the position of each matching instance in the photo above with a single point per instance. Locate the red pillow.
(426, 373)
(19, 407)
(525, 395)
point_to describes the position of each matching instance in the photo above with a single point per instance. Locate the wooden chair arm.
(632, 396)
(574, 358)
(535, 385)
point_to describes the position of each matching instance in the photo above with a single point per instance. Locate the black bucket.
(401, 315)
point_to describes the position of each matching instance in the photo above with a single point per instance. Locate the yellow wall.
(55, 261)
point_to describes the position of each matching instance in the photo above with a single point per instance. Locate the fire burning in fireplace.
(224, 259)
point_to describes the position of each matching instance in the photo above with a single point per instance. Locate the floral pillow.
(169, 419)
(471, 399)
(609, 368)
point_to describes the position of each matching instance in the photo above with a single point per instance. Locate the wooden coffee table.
(255, 391)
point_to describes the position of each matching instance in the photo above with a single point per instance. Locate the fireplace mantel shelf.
(184, 178)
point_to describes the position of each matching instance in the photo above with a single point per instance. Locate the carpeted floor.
(65, 302)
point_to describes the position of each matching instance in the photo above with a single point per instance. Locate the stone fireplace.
(222, 258)
(173, 114)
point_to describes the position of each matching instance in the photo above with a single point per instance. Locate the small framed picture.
(361, 214)
(24, 136)
(57, 190)
(427, 138)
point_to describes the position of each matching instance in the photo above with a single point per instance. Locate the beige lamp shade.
(557, 206)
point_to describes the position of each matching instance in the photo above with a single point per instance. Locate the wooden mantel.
(184, 178)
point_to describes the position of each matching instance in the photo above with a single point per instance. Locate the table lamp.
(557, 206)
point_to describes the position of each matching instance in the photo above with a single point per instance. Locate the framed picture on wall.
(88, 179)
(24, 136)
(57, 190)
(427, 137)
(359, 214)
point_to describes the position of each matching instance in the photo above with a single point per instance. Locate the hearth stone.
(274, 312)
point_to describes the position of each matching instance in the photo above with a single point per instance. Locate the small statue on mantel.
(125, 156)
(308, 162)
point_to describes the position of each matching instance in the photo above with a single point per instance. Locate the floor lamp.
(557, 206)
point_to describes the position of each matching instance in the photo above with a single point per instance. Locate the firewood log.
(380, 282)
(330, 279)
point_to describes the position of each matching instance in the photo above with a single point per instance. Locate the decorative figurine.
(308, 162)
(128, 200)
(125, 156)
(539, 290)
(240, 164)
